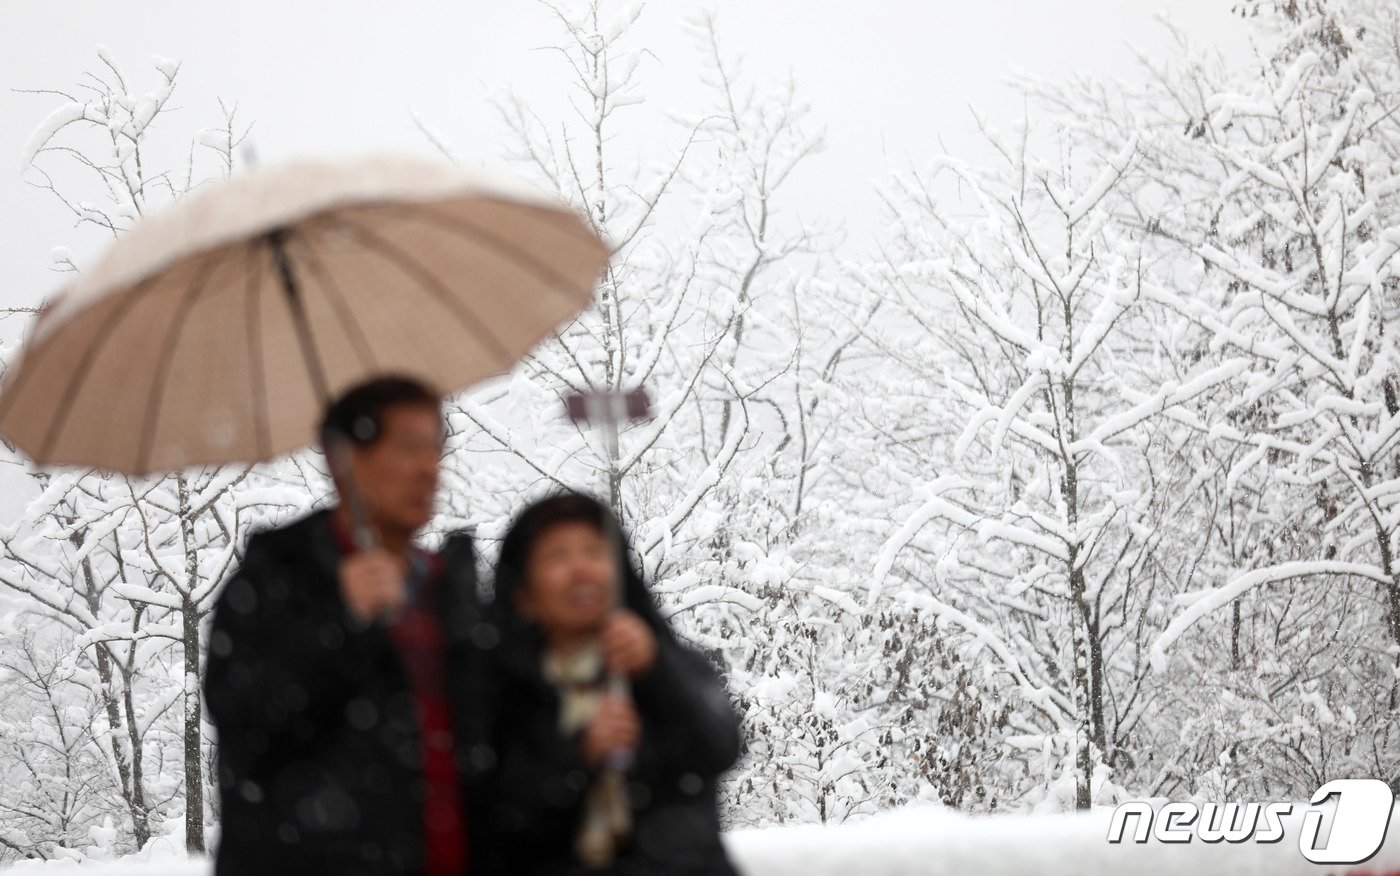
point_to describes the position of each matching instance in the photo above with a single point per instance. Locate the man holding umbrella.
(213, 333)
(339, 735)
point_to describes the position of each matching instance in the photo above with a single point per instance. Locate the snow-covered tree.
(1272, 188)
(1293, 200)
(704, 304)
(130, 568)
(1036, 498)
(51, 764)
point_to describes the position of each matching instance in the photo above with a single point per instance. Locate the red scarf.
(417, 636)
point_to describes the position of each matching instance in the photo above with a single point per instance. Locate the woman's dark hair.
(569, 507)
(358, 415)
(546, 514)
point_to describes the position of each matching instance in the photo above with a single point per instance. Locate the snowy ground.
(929, 842)
(933, 842)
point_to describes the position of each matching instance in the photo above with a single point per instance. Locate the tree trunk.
(131, 792)
(194, 731)
(138, 770)
(1235, 634)
(1084, 734)
(130, 789)
(194, 735)
(1088, 657)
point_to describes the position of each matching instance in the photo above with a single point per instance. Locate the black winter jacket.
(318, 755)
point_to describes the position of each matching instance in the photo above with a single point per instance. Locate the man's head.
(393, 428)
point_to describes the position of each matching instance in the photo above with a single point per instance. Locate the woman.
(588, 780)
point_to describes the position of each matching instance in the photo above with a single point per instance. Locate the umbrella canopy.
(214, 332)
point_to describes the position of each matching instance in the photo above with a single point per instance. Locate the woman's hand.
(629, 646)
(615, 727)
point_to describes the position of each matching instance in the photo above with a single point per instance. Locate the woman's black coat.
(690, 735)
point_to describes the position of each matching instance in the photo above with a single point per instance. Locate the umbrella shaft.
(338, 449)
(277, 239)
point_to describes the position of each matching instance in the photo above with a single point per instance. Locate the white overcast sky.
(890, 79)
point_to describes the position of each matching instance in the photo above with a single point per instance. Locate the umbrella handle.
(362, 531)
(338, 458)
(620, 760)
(618, 685)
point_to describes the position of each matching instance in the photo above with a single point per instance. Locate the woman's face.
(569, 580)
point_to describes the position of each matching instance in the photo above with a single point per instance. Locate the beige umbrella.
(215, 331)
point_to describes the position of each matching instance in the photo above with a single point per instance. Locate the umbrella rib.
(80, 373)
(257, 386)
(408, 266)
(557, 283)
(155, 400)
(343, 311)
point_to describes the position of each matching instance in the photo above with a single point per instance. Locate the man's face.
(398, 473)
(569, 580)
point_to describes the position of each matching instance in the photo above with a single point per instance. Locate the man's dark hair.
(358, 415)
